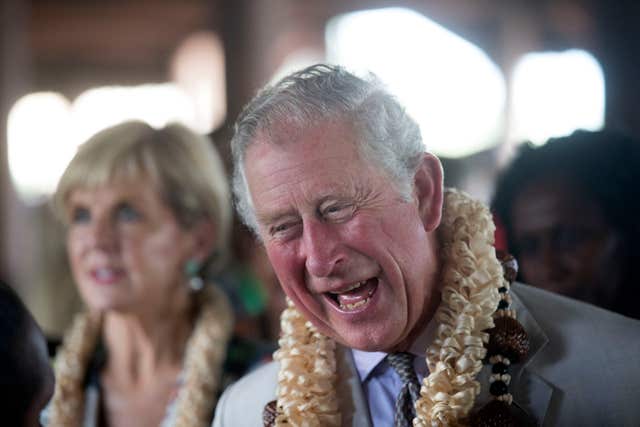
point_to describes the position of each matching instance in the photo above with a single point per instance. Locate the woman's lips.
(355, 297)
(106, 275)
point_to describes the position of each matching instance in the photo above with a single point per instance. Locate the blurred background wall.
(481, 76)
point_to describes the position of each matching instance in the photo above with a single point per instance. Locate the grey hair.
(390, 138)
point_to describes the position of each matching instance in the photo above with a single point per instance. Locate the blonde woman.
(148, 215)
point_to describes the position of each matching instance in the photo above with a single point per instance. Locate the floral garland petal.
(307, 374)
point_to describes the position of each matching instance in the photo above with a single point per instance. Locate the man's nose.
(321, 248)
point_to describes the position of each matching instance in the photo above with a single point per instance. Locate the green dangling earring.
(192, 271)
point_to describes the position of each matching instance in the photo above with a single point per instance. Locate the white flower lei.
(204, 356)
(471, 275)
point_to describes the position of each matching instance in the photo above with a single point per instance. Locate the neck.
(140, 347)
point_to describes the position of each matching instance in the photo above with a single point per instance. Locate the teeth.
(355, 304)
(104, 273)
(355, 286)
(352, 306)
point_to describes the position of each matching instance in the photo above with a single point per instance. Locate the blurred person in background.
(26, 377)
(248, 281)
(570, 212)
(148, 215)
(259, 288)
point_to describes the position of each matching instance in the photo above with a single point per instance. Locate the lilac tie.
(402, 363)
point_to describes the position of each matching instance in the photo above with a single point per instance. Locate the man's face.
(356, 258)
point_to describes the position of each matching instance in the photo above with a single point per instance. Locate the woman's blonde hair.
(185, 167)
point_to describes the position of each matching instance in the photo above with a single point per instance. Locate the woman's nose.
(101, 235)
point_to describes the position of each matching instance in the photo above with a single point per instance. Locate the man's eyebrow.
(324, 199)
(272, 217)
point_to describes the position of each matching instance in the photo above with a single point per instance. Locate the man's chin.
(370, 344)
(359, 338)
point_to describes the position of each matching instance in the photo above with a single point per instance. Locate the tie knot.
(402, 363)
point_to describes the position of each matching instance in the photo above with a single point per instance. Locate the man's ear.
(428, 190)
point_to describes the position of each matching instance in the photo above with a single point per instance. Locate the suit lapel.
(531, 392)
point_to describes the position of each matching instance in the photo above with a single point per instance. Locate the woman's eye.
(127, 213)
(80, 215)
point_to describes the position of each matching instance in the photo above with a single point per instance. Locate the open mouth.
(355, 296)
(105, 275)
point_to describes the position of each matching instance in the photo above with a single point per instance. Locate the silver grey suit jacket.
(583, 369)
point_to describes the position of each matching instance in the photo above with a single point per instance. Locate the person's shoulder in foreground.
(26, 376)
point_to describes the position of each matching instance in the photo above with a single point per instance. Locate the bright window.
(40, 144)
(450, 86)
(45, 129)
(156, 104)
(555, 93)
(198, 68)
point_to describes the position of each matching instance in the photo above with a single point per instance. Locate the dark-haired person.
(571, 210)
(26, 375)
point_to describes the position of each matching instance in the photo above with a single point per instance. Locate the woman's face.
(126, 248)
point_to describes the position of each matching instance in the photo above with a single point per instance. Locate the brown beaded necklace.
(508, 343)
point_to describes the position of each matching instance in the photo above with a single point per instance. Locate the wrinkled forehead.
(325, 133)
(285, 132)
(325, 136)
(338, 142)
(318, 158)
